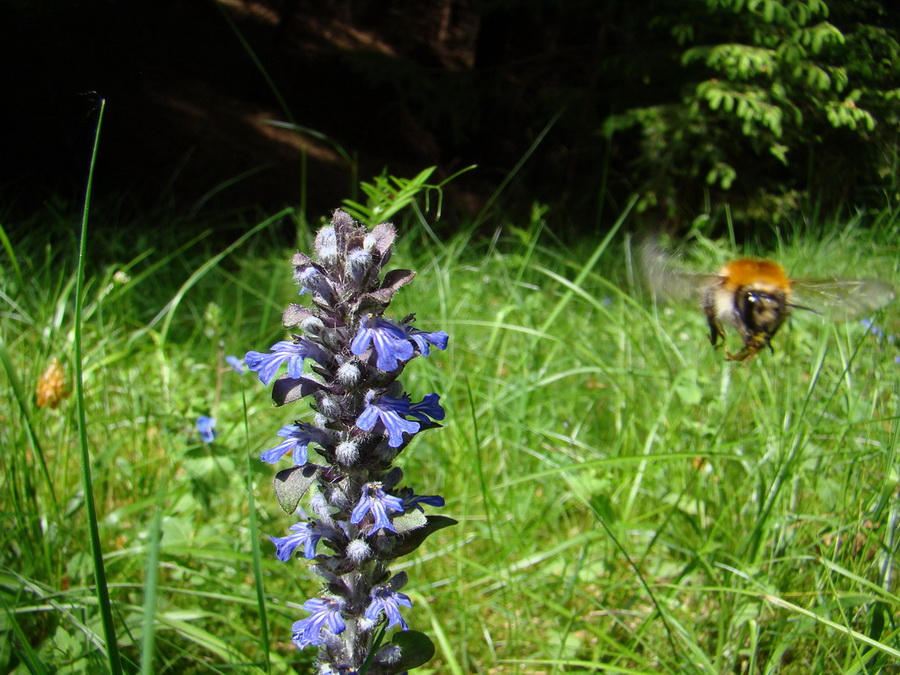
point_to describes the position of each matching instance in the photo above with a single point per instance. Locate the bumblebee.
(756, 297)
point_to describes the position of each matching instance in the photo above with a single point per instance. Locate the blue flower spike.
(355, 517)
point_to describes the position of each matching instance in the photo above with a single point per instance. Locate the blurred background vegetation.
(773, 107)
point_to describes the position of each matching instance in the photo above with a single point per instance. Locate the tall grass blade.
(482, 215)
(151, 586)
(168, 312)
(588, 266)
(846, 630)
(103, 601)
(254, 547)
(13, 259)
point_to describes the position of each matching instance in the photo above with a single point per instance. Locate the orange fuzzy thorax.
(749, 272)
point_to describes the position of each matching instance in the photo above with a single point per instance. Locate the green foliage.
(802, 96)
(387, 196)
(627, 501)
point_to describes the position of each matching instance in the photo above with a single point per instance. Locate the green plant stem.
(109, 630)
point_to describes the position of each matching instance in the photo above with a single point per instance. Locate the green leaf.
(416, 649)
(408, 521)
(410, 540)
(291, 484)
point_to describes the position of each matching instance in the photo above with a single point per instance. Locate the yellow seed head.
(51, 386)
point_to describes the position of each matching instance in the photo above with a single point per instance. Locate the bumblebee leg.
(716, 332)
(752, 347)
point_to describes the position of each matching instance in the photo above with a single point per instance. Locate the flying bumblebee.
(756, 296)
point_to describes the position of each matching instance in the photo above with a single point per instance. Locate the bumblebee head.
(761, 311)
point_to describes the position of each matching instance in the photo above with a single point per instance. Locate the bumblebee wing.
(844, 299)
(668, 283)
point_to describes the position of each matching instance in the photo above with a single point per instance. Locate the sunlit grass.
(628, 501)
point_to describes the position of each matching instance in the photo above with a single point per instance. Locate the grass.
(628, 501)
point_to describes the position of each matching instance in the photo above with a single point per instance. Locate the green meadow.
(627, 501)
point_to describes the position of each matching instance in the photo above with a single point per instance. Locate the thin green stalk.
(109, 630)
(482, 215)
(151, 586)
(254, 548)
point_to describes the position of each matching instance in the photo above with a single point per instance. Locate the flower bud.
(312, 325)
(326, 246)
(359, 262)
(359, 551)
(370, 242)
(348, 374)
(347, 453)
(329, 407)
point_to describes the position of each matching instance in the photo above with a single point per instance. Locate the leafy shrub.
(781, 98)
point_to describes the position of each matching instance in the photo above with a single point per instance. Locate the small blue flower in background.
(387, 601)
(376, 501)
(873, 328)
(306, 534)
(298, 436)
(237, 365)
(326, 612)
(206, 427)
(390, 343)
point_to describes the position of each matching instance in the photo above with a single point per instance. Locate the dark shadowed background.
(200, 96)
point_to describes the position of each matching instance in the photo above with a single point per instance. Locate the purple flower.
(427, 407)
(387, 601)
(422, 339)
(293, 352)
(872, 327)
(326, 612)
(236, 365)
(206, 427)
(389, 340)
(413, 501)
(389, 411)
(376, 501)
(306, 534)
(298, 437)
